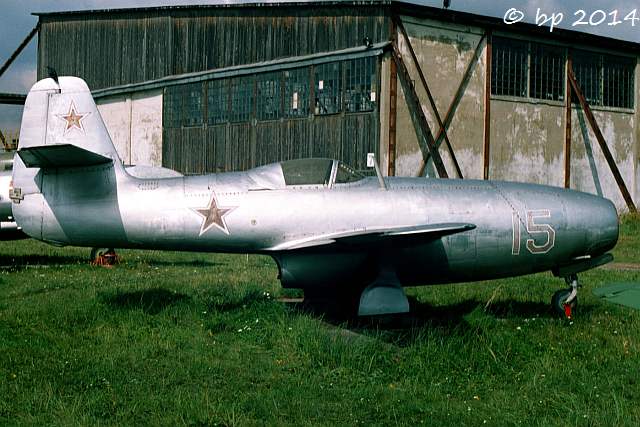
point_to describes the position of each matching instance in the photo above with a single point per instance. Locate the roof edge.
(224, 4)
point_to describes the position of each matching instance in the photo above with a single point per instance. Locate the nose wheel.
(565, 301)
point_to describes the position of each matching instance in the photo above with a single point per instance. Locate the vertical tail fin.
(64, 113)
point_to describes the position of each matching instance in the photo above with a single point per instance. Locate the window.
(307, 171)
(618, 81)
(605, 80)
(350, 86)
(536, 70)
(360, 90)
(192, 111)
(268, 96)
(183, 106)
(172, 107)
(546, 80)
(509, 67)
(527, 69)
(588, 71)
(217, 102)
(346, 174)
(296, 92)
(241, 99)
(328, 88)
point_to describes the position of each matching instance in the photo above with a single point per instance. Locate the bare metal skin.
(327, 227)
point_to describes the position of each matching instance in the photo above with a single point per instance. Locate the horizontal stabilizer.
(60, 156)
(396, 235)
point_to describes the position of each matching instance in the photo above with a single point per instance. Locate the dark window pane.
(588, 70)
(307, 171)
(172, 107)
(618, 81)
(509, 67)
(217, 102)
(192, 111)
(546, 80)
(328, 88)
(360, 90)
(296, 92)
(268, 96)
(346, 174)
(241, 99)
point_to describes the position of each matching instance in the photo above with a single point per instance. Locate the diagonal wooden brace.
(448, 118)
(425, 137)
(603, 144)
(442, 131)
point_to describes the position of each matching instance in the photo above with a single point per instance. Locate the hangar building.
(430, 91)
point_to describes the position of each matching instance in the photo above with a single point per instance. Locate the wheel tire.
(558, 303)
(98, 252)
(103, 256)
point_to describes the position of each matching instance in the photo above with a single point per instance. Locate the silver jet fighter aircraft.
(329, 229)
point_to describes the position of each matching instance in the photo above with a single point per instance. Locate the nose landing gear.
(565, 301)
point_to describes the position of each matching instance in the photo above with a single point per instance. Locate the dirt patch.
(622, 266)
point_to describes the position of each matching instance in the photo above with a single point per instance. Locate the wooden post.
(393, 106)
(4, 142)
(15, 54)
(603, 144)
(487, 109)
(567, 128)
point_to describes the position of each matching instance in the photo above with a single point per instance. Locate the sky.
(16, 22)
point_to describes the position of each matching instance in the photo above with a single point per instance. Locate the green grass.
(175, 338)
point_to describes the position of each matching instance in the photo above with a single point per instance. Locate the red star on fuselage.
(213, 216)
(73, 119)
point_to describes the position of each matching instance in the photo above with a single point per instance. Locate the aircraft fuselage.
(520, 228)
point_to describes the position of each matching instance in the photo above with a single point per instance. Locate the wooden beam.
(393, 114)
(432, 102)
(487, 109)
(4, 141)
(12, 98)
(603, 144)
(425, 137)
(567, 127)
(393, 107)
(448, 118)
(15, 54)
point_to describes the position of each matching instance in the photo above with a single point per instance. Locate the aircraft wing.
(396, 235)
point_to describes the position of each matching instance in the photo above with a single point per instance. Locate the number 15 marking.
(533, 227)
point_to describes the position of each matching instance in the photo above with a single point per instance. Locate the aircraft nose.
(602, 226)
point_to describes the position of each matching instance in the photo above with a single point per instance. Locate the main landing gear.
(105, 257)
(565, 301)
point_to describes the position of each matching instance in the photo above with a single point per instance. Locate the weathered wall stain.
(527, 136)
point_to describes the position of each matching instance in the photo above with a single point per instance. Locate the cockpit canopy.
(299, 172)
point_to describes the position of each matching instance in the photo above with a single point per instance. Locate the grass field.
(193, 339)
